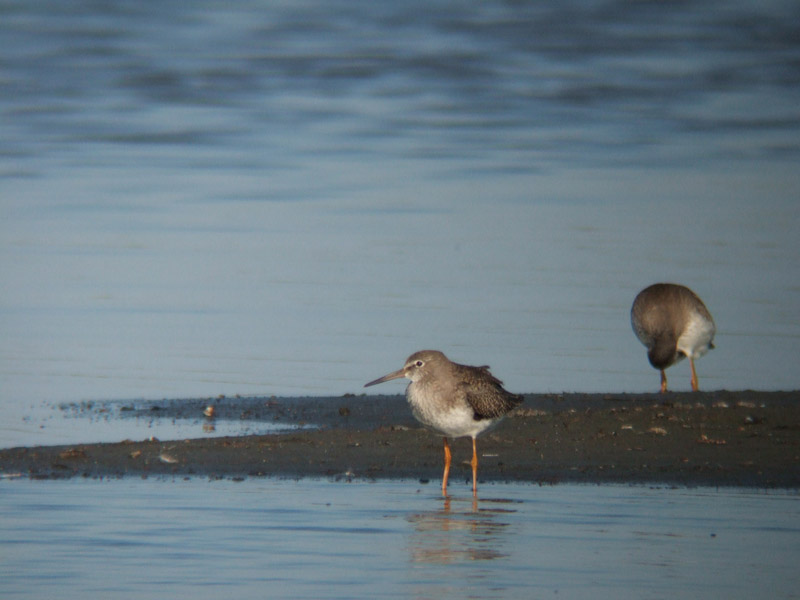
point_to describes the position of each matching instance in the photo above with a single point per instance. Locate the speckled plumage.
(456, 400)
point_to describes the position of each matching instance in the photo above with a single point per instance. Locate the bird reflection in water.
(460, 531)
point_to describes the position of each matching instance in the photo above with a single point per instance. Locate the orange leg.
(663, 381)
(474, 468)
(447, 459)
(694, 375)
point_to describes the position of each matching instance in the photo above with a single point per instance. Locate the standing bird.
(457, 400)
(673, 323)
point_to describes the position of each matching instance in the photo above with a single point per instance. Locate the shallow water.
(289, 198)
(320, 539)
(90, 422)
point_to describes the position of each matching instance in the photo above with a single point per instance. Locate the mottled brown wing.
(485, 393)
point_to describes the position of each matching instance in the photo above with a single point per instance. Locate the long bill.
(389, 377)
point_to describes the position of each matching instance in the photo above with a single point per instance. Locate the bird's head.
(418, 366)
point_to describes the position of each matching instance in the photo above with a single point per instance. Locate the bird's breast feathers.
(454, 419)
(697, 336)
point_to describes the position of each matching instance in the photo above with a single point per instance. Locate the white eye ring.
(419, 363)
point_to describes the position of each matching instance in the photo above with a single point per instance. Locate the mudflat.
(722, 438)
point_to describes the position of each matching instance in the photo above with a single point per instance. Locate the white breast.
(453, 420)
(696, 339)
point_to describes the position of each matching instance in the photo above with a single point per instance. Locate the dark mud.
(745, 438)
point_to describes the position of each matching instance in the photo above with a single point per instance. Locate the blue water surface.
(289, 198)
(328, 539)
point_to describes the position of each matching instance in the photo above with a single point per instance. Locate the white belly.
(457, 420)
(696, 338)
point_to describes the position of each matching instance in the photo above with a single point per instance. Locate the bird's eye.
(419, 363)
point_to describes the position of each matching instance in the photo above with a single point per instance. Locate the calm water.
(312, 539)
(290, 197)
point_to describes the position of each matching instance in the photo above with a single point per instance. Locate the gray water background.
(320, 539)
(288, 198)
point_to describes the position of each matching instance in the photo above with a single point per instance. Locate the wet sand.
(719, 438)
